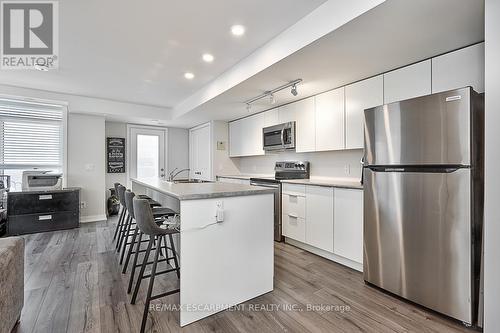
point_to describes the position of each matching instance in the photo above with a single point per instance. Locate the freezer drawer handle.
(44, 217)
(45, 197)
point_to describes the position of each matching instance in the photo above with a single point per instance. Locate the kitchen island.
(223, 263)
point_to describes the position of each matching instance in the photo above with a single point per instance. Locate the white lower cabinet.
(294, 227)
(325, 218)
(319, 217)
(348, 224)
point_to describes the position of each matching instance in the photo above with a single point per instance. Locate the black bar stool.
(146, 224)
(159, 213)
(126, 226)
(121, 215)
(121, 223)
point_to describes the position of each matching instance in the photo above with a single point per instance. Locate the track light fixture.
(270, 93)
(272, 100)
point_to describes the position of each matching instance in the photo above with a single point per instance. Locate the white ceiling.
(391, 35)
(138, 51)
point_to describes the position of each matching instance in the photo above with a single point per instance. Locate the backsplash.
(323, 164)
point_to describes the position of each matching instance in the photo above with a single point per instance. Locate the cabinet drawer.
(294, 205)
(294, 189)
(31, 223)
(294, 227)
(32, 203)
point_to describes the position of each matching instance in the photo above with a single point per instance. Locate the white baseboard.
(328, 255)
(93, 218)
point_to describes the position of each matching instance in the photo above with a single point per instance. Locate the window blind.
(31, 134)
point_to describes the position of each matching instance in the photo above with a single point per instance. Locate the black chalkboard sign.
(116, 155)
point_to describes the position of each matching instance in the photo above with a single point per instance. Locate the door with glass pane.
(147, 153)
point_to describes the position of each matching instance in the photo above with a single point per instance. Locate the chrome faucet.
(171, 175)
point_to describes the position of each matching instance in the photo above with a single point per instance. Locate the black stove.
(287, 170)
(282, 171)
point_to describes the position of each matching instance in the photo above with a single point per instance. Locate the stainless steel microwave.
(279, 137)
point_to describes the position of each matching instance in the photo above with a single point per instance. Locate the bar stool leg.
(130, 250)
(122, 234)
(174, 252)
(125, 239)
(120, 221)
(141, 272)
(134, 264)
(150, 288)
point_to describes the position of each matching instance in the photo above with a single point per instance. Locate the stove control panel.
(292, 170)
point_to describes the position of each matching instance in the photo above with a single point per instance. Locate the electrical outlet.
(347, 169)
(83, 204)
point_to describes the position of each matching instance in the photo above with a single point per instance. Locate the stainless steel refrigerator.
(423, 197)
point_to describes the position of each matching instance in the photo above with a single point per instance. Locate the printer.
(40, 180)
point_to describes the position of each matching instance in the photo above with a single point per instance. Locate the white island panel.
(226, 263)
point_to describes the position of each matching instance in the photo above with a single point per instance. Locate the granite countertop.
(247, 176)
(329, 182)
(192, 191)
(352, 183)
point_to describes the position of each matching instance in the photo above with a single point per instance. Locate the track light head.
(272, 100)
(294, 90)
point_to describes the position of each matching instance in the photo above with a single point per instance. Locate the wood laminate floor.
(73, 283)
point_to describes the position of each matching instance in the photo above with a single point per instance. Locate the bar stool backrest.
(129, 199)
(116, 187)
(145, 220)
(121, 194)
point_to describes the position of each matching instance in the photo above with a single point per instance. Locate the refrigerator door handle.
(423, 169)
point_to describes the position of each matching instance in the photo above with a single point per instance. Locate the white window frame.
(128, 157)
(64, 134)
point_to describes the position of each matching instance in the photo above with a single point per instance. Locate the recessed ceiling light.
(238, 30)
(189, 75)
(207, 57)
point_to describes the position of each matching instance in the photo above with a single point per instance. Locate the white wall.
(222, 164)
(492, 161)
(323, 164)
(86, 163)
(116, 130)
(177, 149)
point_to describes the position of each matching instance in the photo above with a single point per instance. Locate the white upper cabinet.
(408, 82)
(319, 217)
(286, 113)
(459, 69)
(348, 224)
(305, 135)
(236, 138)
(271, 117)
(358, 97)
(330, 120)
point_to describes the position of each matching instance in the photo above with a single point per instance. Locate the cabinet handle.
(45, 197)
(44, 217)
(293, 215)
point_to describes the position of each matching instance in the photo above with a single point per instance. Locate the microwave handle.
(283, 136)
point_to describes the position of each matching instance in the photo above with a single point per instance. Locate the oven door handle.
(265, 185)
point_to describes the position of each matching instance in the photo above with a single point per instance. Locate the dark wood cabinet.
(39, 211)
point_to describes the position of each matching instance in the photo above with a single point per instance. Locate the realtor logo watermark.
(30, 34)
